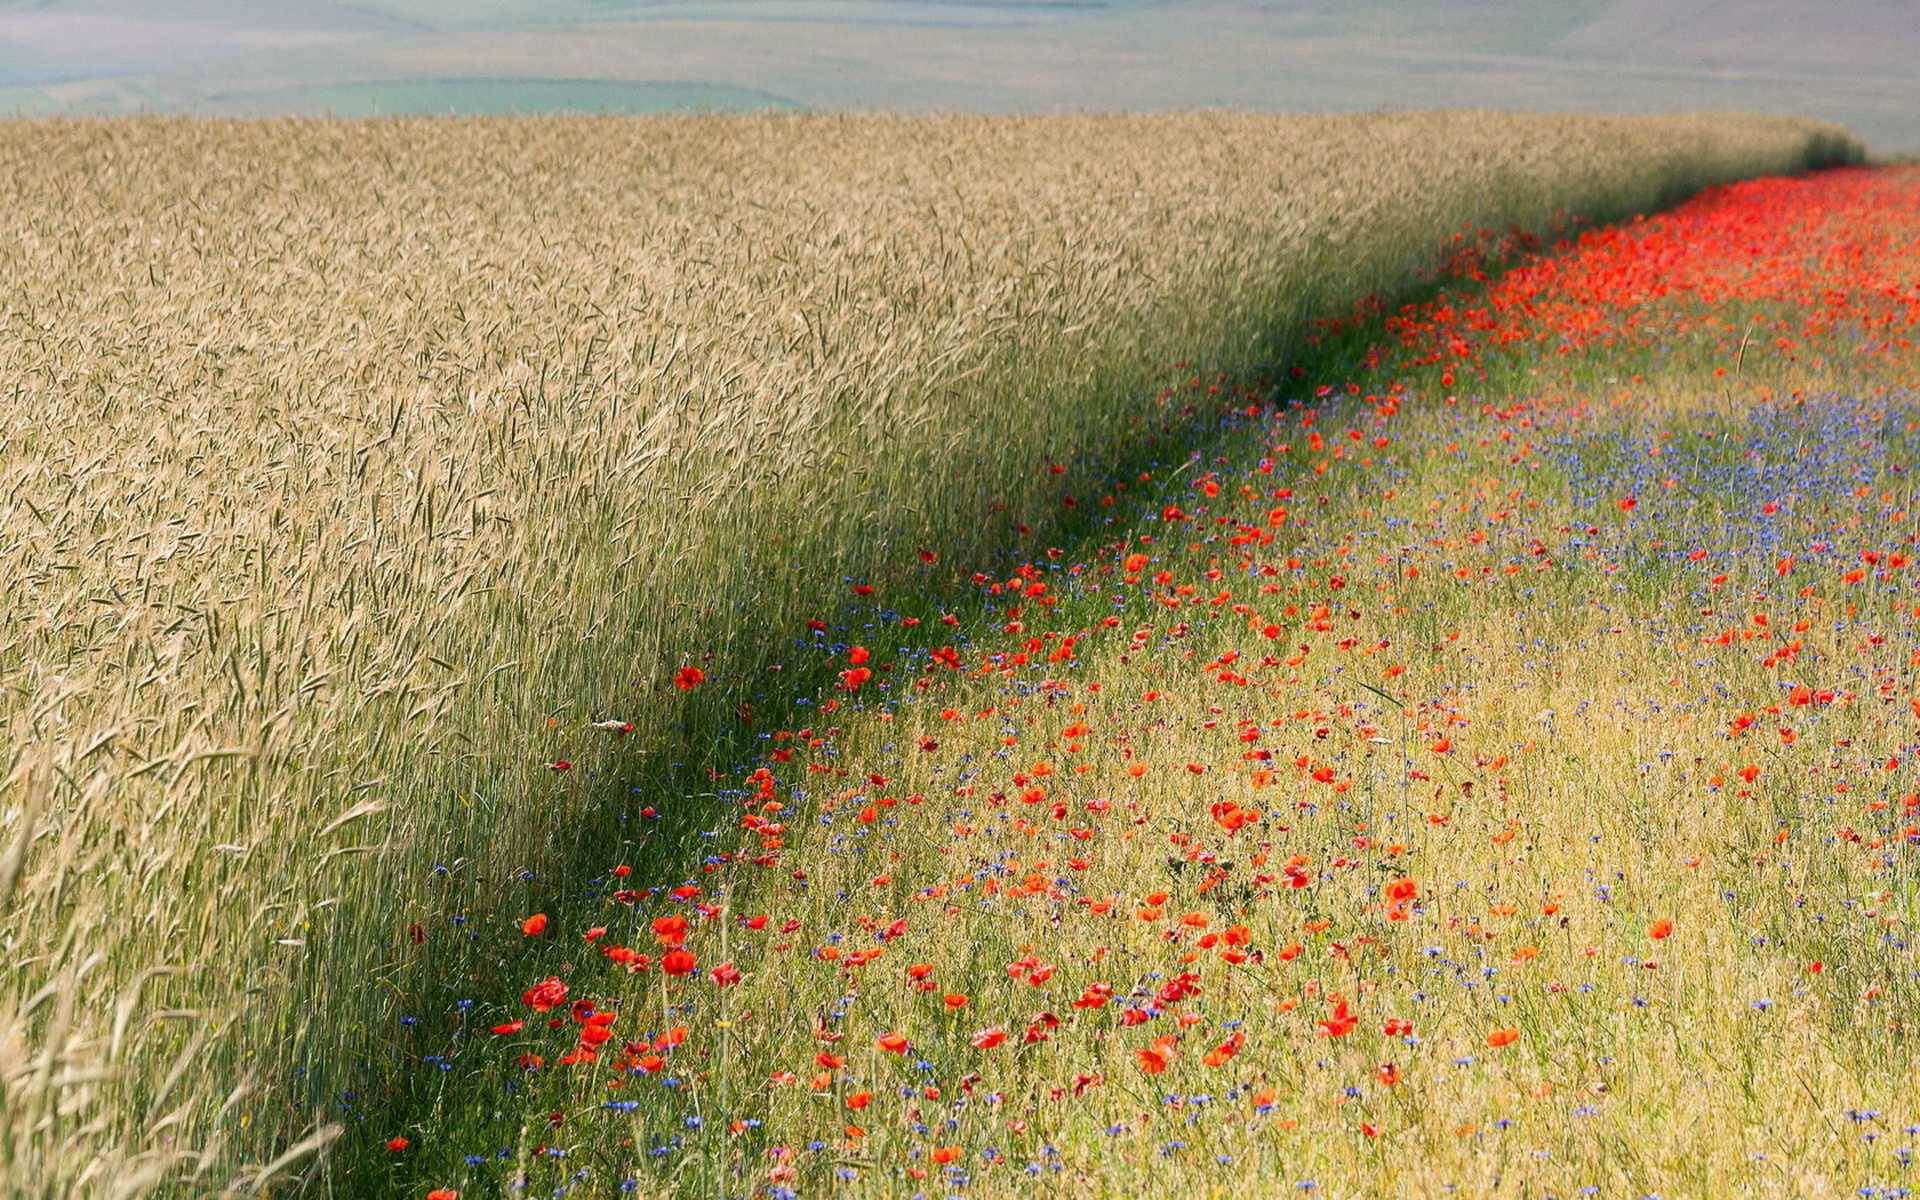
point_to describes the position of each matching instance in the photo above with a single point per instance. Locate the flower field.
(1494, 773)
(786, 656)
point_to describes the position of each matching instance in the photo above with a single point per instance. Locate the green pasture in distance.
(483, 96)
(492, 14)
(25, 100)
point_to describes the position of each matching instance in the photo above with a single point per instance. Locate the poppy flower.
(987, 1039)
(398, 1144)
(534, 925)
(548, 994)
(1660, 929)
(859, 1100)
(689, 678)
(679, 961)
(1503, 1037)
(1219, 1055)
(1340, 1022)
(1154, 1058)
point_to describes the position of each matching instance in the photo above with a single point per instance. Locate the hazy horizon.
(1852, 61)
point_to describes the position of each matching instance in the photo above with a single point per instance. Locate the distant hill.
(1855, 61)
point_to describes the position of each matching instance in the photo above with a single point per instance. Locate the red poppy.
(1218, 1056)
(680, 961)
(1340, 1022)
(547, 994)
(689, 677)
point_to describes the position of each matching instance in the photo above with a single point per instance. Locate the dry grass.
(1554, 751)
(1590, 789)
(339, 458)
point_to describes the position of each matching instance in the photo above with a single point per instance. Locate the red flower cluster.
(1758, 267)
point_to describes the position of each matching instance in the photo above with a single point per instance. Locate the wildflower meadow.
(977, 693)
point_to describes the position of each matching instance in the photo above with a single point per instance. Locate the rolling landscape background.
(1856, 62)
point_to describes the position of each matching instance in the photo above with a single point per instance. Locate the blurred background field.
(1852, 61)
(356, 473)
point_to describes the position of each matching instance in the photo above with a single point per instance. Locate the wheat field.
(349, 468)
